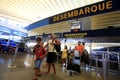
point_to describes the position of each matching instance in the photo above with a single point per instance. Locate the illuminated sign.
(75, 35)
(93, 33)
(76, 26)
(97, 8)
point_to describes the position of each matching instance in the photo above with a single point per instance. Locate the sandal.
(54, 73)
(39, 75)
(34, 79)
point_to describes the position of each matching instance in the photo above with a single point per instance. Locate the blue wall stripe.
(38, 24)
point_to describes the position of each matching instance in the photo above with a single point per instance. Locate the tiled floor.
(24, 70)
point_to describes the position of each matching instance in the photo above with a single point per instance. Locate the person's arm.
(45, 52)
(82, 49)
(34, 48)
(45, 45)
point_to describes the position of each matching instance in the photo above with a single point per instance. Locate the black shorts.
(51, 57)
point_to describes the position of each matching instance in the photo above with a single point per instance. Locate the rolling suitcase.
(74, 66)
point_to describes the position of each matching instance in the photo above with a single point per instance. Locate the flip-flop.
(34, 79)
(39, 75)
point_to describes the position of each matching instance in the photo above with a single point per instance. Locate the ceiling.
(30, 11)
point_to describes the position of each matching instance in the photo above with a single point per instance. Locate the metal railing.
(106, 62)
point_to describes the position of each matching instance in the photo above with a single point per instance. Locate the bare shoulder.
(57, 41)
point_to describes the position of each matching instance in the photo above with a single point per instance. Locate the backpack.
(86, 56)
(57, 48)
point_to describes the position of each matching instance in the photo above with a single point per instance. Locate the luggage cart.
(74, 65)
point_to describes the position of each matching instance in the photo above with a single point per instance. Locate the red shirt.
(39, 52)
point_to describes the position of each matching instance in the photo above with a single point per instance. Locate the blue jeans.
(38, 63)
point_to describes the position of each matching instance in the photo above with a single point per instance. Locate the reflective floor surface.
(20, 67)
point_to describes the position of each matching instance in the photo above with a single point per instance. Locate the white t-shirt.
(50, 46)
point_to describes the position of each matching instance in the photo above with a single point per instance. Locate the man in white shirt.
(51, 56)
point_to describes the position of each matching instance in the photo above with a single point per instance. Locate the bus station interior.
(100, 32)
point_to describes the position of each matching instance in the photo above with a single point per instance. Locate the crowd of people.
(51, 52)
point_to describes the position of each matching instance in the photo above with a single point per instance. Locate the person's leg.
(53, 62)
(35, 70)
(65, 61)
(35, 74)
(62, 62)
(49, 66)
(48, 62)
(38, 70)
(54, 69)
(81, 61)
(46, 65)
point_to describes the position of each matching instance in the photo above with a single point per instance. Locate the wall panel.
(105, 20)
(53, 28)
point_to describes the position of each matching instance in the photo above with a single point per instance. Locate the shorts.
(38, 63)
(51, 57)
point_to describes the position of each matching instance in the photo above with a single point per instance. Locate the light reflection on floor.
(28, 60)
(2, 61)
(24, 70)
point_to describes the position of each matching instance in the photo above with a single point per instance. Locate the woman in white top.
(51, 56)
